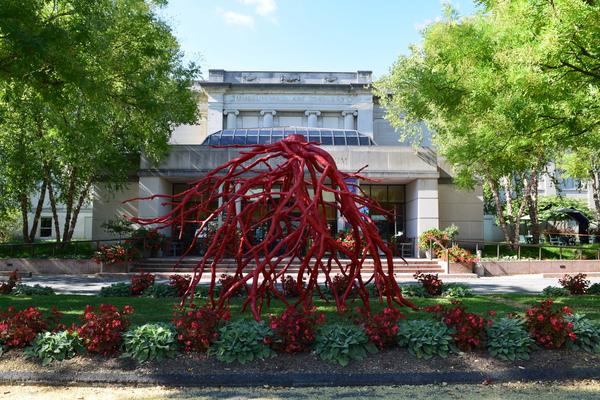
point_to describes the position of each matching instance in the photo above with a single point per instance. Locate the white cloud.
(262, 7)
(236, 19)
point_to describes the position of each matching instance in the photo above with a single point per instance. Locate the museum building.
(337, 110)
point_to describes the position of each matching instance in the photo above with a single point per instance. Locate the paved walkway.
(91, 284)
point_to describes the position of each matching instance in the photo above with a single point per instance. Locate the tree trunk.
(83, 195)
(47, 177)
(69, 206)
(24, 203)
(595, 186)
(500, 210)
(531, 197)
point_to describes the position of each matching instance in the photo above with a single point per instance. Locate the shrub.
(290, 287)
(243, 340)
(197, 327)
(553, 291)
(430, 282)
(342, 343)
(508, 340)
(425, 338)
(576, 284)
(19, 328)
(54, 346)
(180, 283)
(382, 328)
(150, 342)
(587, 333)
(117, 253)
(294, 330)
(469, 328)
(459, 255)
(227, 281)
(340, 283)
(103, 327)
(435, 238)
(35, 290)
(547, 324)
(9, 285)
(594, 289)
(160, 290)
(141, 282)
(120, 289)
(456, 290)
(413, 290)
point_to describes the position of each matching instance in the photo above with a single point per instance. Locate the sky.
(301, 35)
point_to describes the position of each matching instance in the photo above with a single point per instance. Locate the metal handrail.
(539, 246)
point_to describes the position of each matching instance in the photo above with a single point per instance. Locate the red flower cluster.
(180, 283)
(547, 324)
(102, 328)
(114, 254)
(430, 282)
(197, 327)
(8, 286)
(19, 328)
(340, 283)
(141, 282)
(290, 286)
(346, 240)
(295, 330)
(382, 328)
(460, 255)
(577, 284)
(469, 327)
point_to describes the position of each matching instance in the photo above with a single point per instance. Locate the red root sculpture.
(283, 186)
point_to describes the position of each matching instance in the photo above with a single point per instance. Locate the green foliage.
(120, 289)
(150, 342)
(425, 338)
(243, 341)
(160, 290)
(341, 344)
(412, 290)
(35, 290)
(547, 206)
(554, 291)
(456, 290)
(594, 289)
(587, 333)
(54, 346)
(10, 220)
(508, 340)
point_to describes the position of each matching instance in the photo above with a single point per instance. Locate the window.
(46, 227)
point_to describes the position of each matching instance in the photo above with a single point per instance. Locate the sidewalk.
(91, 284)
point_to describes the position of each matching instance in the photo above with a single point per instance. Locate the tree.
(114, 90)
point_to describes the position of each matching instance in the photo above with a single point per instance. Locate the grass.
(154, 310)
(588, 252)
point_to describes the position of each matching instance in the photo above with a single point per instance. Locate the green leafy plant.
(120, 289)
(554, 291)
(587, 333)
(35, 290)
(594, 289)
(426, 338)
(342, 343)
(509, 340)
(243, 340)
(160, 290)
(456, 290)
(150, 342)
(413, 290)
(54, 346)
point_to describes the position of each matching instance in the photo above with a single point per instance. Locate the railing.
(530, 250)
(78, 248)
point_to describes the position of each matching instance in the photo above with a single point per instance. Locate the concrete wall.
(50, 266)
(499, 268)
(422, 210)
(109, 206)
(463, 208)
(193, 134)
(149, 186)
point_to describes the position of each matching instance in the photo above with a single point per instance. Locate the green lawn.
(152, 310)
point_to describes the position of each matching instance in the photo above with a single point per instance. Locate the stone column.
(149, 186)
(349, 119)
(312, 117)
(231, 118)
(268, 118)
(422, 208)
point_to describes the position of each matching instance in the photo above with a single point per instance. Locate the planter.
(121, 267)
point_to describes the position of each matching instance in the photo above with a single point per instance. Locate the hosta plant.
(426, 338)
(456, 290)
(509, 340)
(243, 340)
(413, 290)
(555, 291)
(341, 344)
(160, 290)
(594, 289)
(587, 333)
(150, 342)
(55, 346)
